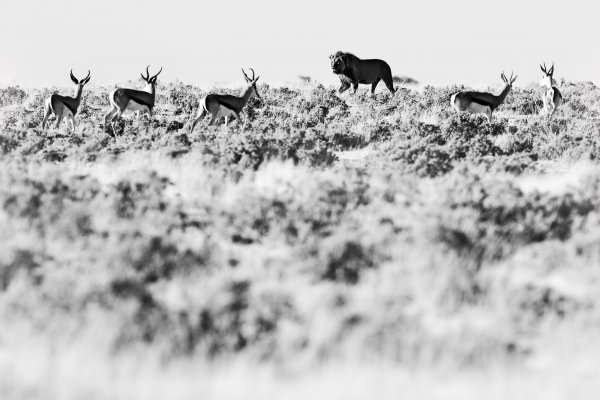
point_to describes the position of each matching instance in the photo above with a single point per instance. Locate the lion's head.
(338, 63)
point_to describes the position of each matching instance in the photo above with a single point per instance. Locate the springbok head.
(508, 81)
(80, 83)
(547, 79)
(150, 80)
(251, 82)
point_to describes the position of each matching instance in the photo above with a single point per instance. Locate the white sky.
(201, 42)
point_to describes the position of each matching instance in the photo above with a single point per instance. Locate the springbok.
(65, 106)
(225, 105)
(139, 101)
(551, 97)
(481, 102)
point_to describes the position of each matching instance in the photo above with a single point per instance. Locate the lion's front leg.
(345, 86)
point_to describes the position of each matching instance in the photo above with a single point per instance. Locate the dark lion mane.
(347, 57)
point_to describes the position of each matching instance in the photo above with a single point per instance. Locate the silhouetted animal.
(353, 71)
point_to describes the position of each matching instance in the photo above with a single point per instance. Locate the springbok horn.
(73, 78)
(154, 77)
(147, 74)
(244, 72)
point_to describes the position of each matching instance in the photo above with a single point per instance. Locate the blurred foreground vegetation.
(327, 229)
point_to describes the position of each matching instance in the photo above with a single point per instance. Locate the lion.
(352, 70)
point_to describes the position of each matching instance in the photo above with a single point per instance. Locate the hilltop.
(328, 238)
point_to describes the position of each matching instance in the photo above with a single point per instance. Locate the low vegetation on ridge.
(326, 229)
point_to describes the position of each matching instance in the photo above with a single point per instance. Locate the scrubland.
(334, 247)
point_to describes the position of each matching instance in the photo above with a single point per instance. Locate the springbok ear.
(256, 80)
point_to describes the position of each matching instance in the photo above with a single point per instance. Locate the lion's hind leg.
(389, 83)
(374, 85)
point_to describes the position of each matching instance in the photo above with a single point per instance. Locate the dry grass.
(331, 247)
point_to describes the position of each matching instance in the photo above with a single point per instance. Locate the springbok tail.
(111, 99)
(48, 105)
(453, 99)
